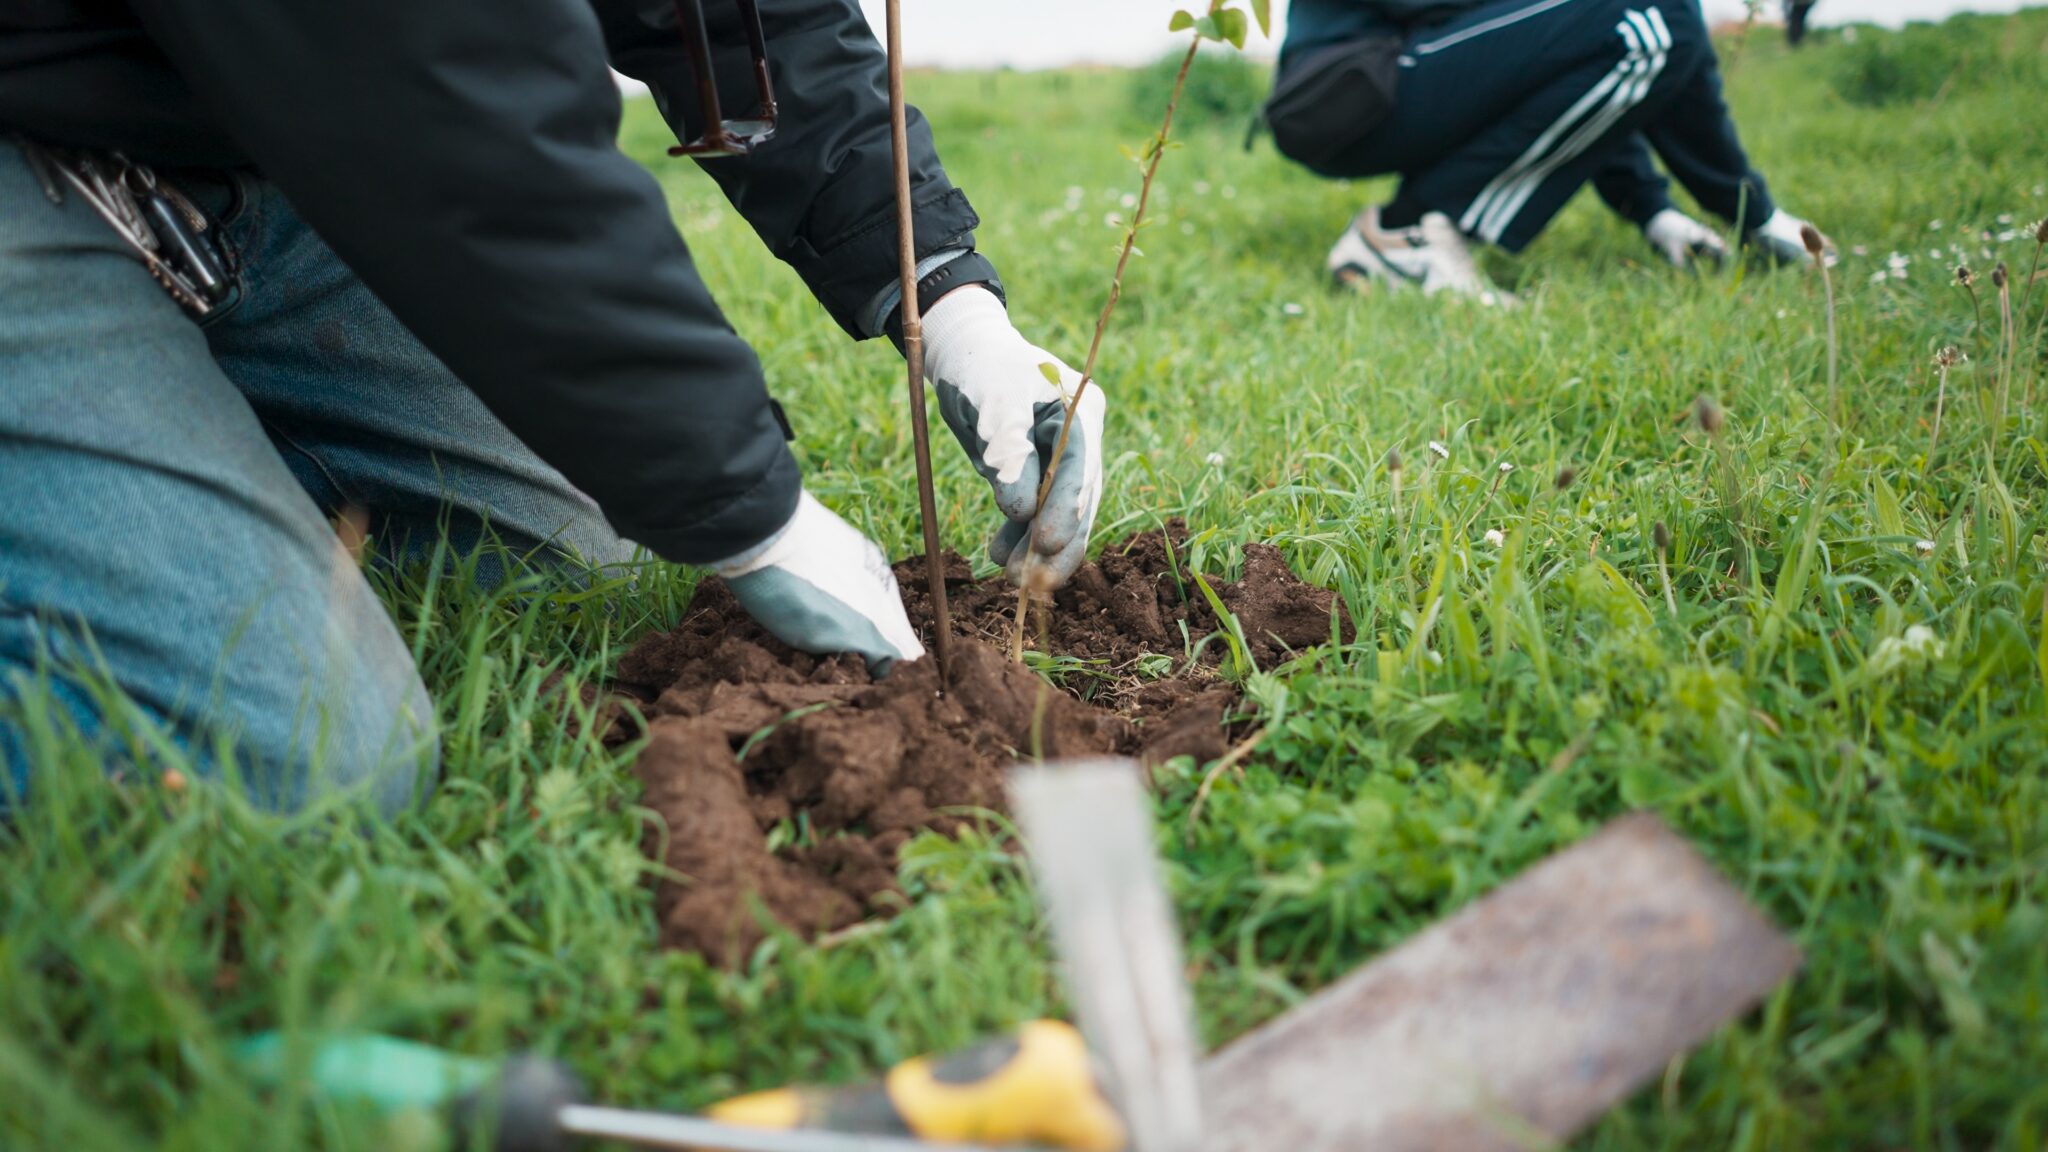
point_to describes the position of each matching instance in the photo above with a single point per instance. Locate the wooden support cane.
(913, 353)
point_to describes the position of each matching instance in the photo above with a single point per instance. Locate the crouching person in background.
(1494, 112)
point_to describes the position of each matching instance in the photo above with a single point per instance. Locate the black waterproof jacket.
(460, 156)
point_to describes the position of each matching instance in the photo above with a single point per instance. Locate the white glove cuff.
(771, 550)
(968, 317)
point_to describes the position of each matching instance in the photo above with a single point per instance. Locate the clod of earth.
(747, 737)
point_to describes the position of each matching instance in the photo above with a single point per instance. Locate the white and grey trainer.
(1431, 255)
(1684, 242)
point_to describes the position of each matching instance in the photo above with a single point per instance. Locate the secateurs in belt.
(162, 227)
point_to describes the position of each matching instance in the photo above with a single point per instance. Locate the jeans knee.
(370, 734)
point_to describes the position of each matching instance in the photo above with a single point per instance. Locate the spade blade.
(1516, 1022)
(1089, 827)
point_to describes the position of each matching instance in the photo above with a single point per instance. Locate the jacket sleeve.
(462, 160)
(822, 192)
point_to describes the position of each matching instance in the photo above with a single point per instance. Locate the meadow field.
(1811, 638)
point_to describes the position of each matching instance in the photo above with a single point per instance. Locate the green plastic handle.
(392, 1074)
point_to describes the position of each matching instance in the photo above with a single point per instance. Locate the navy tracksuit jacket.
(1503, 108)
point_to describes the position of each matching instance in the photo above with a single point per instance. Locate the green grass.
(1882, 796)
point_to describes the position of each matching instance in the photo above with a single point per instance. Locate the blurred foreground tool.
(1088, 826)
(1512, 1025)
(1035, 1087)
(1516, 1022)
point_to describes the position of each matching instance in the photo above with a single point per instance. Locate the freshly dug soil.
(746, 736)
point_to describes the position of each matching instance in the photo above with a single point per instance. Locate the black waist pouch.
(1334, 98)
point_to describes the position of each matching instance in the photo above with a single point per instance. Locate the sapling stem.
(913, 353)
(1032, 578)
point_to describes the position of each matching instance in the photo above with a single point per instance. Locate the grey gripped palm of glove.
(820, 586)
(994, 395)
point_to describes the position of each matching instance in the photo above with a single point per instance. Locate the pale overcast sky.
(1050, 33)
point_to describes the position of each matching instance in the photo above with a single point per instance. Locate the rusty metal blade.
(1514, 1023)
(1089, 827)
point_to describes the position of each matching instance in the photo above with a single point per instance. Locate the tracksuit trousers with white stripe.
(1500, 115)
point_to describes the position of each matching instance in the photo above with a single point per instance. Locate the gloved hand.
(821, 586)
(1007, 416)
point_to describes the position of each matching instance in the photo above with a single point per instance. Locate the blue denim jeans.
(166, 485)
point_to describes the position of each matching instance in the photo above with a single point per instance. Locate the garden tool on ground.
(1512, 1024)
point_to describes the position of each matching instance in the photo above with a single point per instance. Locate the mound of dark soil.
(747, 737)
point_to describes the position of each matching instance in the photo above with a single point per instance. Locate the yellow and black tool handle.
(1036, 1086)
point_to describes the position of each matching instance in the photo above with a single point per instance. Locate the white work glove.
(821, 586)
(1007, 416)
(1684, 242)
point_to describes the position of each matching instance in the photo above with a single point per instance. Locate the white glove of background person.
(1007, 416)
(821, 586)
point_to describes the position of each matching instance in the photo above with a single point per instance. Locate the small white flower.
(1506, 467)
(1934, 225)
(1214, 459)
(1878, 277)
(1924, 547)
(2008, 236)
(1229, 192)
(1782, 313)
(2005, 217)
(1919, 645)
(1112, 220)
(1860, 250)
(1075, 191)
(1201, 187)
(1437, 446)
(1292, 309)
(1496, 537)
(1129, 200)
(1897, 260)
(1898, 273)
(1934, 253)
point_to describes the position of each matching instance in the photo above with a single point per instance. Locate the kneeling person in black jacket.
(261, 260)
(1494, 112)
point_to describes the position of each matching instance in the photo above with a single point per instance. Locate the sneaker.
(1781, 238)
(1431, 256)
(1684, 242)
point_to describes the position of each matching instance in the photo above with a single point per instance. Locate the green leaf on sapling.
(1231, 26)
(1050, 371)
(1262, 11)
(1182, 21)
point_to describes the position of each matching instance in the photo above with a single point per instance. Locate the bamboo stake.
(913, 353)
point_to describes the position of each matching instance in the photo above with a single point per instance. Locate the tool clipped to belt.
(167, 232)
